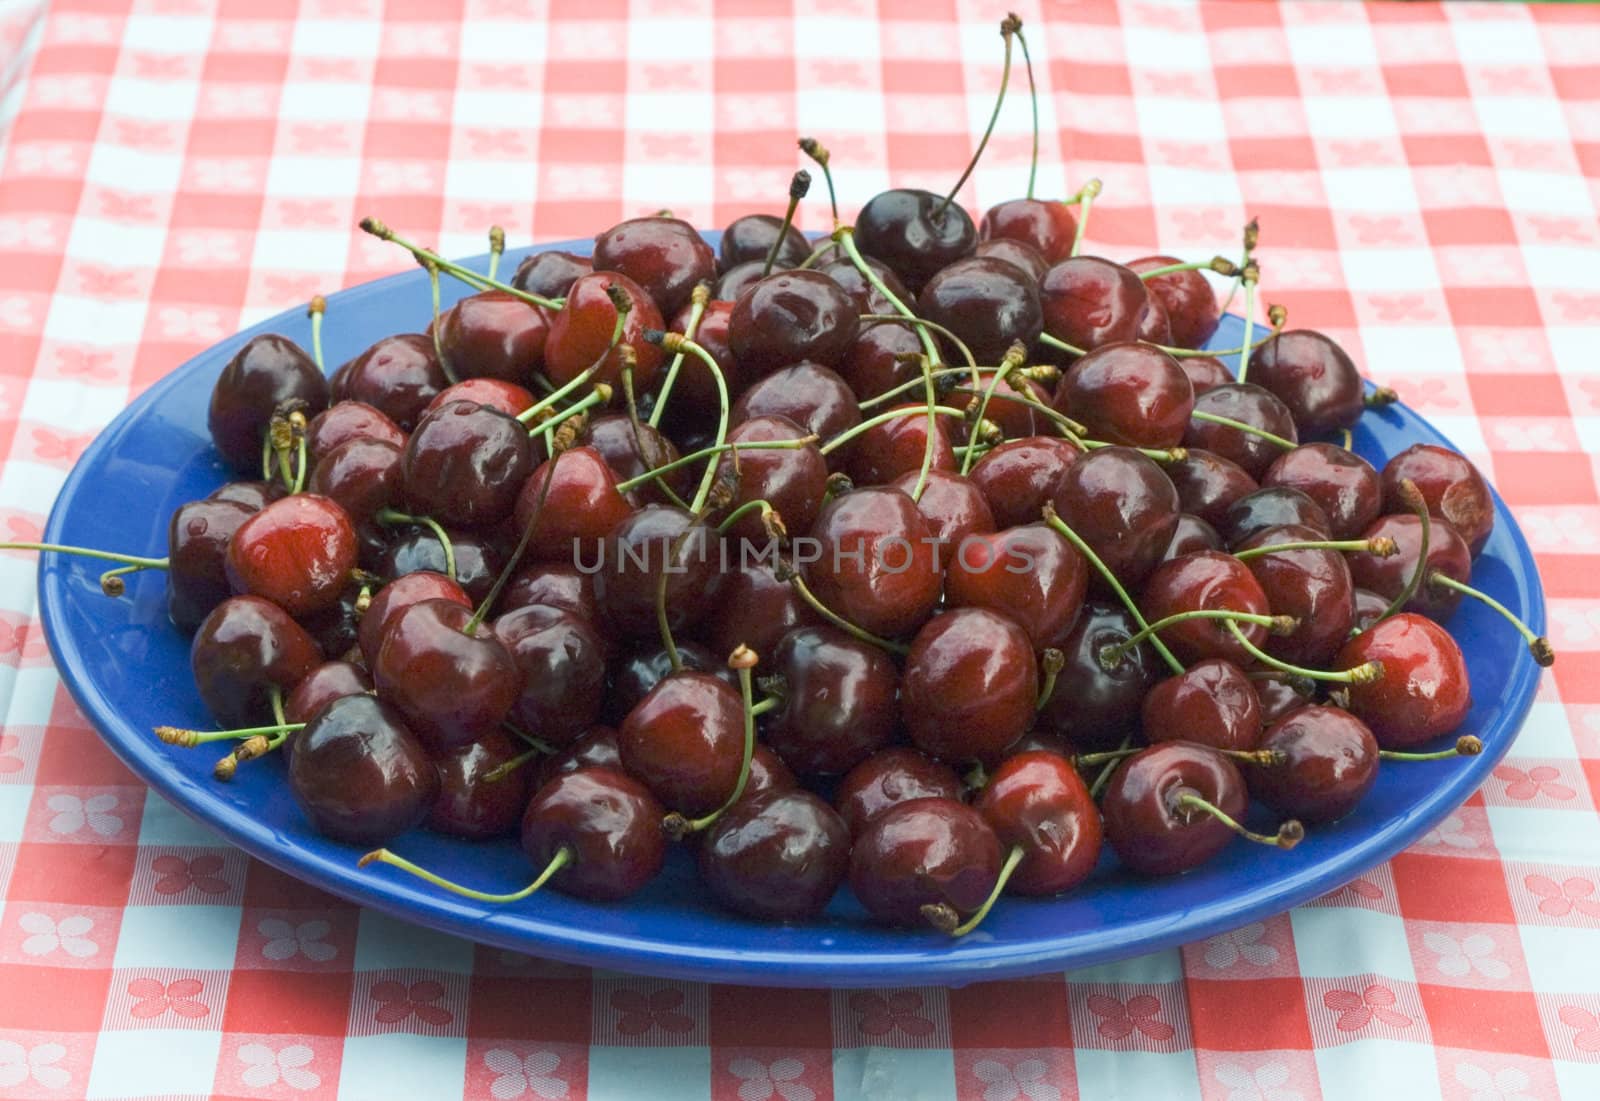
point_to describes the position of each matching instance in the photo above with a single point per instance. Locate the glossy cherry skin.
(630, 453)
(395, 597)
(809, 394)
(493, 335)
(915, 233)
(1271, 507)
(472, 806)
(297, 552)
(1314, 377)
(867, 298)
(478, 558)
(969, 687)
(1019, 477)
(1208, 484)
(923, 852)
(871, 365)
(1342, 482)
(655, 542)
(465, 464)
(1313, 586)
(398, 376)
(1451, 486)
(685, 741)
(361, 476)
(1089, 302)
(508, 397)
(597, 746)
(1205, 580)
(733, 282)
(450, 686)
(348, 420)
(1123, 505)
(753, 608)
(1369, 608)
(359, 774)
(875, 565)
(243, 650)
(890, 776)
(1094, 706)
(1447, 554)
(1043, 224)
(1192, 534)
(790, 316)
(751, 237)
(1133, 394)
(265, 374)
(642, 669)
(608, 821)
(885, 451)
(550, 274)
(1424, 691)
(1149, 829)
(953, 506)
(988, 304)
(792, 481)
(1205, 373)
(1029, 573)
(1330, 763)
(555, 584)
(1212, 703)
(581, 506)
(1190, 302)
(838, 701)
(581, 332)
(777, 857)
(694, 397)
(320, 687)
(1038, 801)
(1013, 408)
(665, 256)
(254, 496)
(1280, 694)
(198, 536)
(1020, 254)
(1250, 404)
(562, 659)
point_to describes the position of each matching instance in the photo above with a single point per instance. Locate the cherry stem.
(819, 153)
(1085, 200)
(1290, 831)
(1008, 27)
(1252, 233)
(1014, 357)
(787, 573)
(438, 341)
(1346, 439)
(1538, 645)
(1111, 655)
(1251, 276)
(1219, 264)
(1379, 397)
(517, 552)
(297, 424)
(931, 433)
(317, 307)
(260, 744)
(540, 744)
(1107, 769)
(884, 418)
(1247, 429)
(181, 736)
(1061, 528)
(798, 186)
(707, 452)
(1379, 547)
(943, 917)
(601, 395)
(1412, 497)
(697, 309)
(388, 516)
(844, 236)
(674, 342)
(921, 323)
(1266, 757)
(1365, 673)
(632, 405)
(1169, 455)
(821, 250)
(381, 231)
(944, 373)
(1061, 345)
(742, 660)
(1468, 745)
(500, 772)
(497, 246)
(1033, 99)
(761, 505)
(1052, 661)
(771, 703)
(623, 305)
(110, 581)
(564, 856)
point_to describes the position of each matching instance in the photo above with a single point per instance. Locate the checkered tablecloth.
(1427, 180)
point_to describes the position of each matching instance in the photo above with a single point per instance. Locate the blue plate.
(128, 670)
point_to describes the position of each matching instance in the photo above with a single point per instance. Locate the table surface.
(1427, 181)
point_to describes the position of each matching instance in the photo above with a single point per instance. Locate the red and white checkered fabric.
(1427, 180)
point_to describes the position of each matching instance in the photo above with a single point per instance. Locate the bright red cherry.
(1423, 692)
(1132, 394)
(1451, 486)
(970, 685)
(1038, 801)
(581, 332)
(297, 552)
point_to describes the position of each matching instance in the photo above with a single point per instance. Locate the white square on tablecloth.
(884, 1074)
(673, 1073)
(164, 825)
(166, 34)
(209, 942)
(402, 1065)
(14, 800)
(1414, 349)
(1390, 269)
(1561, 961)
(1333, 942)
(151, 1062)
(1547, 733)
(523, 41)
(324, 101)
(1350, 116)
(1371, 1068)
(382, 943)
(1152, 968)
(1167, 1075)
(1545, 835)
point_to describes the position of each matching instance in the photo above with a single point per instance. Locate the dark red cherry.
(790, 316)
(1205, 373)
(1207, 580)
(1451, 486)
(655, 542)
(1423, 692)
(914, 232)
(752, 236)
(695, 398)
(556, 584)
(362, 476)
(1274, 506)
(473, 805)
(1447, 554)
(867, 298)
(1189, 301)
(642, 669)
(1313, 586)
(550, 274)
(953, 506)
(254, 496)
(923, 852)
(320, 687)
(1019, 477)
(297, 552)
(395, 597)
(970, 685)
(348, 420)
(1123, 505)
(1039, 740)
(244, 649)
(608, 821)
(493, 335)
(809, 394)
(1020, 254)
(1043, 224)
(665, 256)
(1150, 827)
(777, 857)
(872, 365)
(1028, 573)
(262, 376)
(398, 376)
(1280, 694)
(562, 661)
(988, 304)
(1192, 534)
(633, 448)
(1342, 482)
(359, 775)
(1330, 762)
(890, 776)
(450, 686)
(685, 741)
(1313, 377)
(792, 481)
(597, 746)
(198, 536)
(753, 607)
(1249, 404)
(1094, 705)
(1208, 484)
(1133, 394)
(581, 506)
(837, 700)
(581, 332)
(1212, 703)
(1089, 301)
(874, 564)
(508, 397)
(733, 282)
(478, 557)
(1013, 407)
(885, 451)
(334, 627)
(1038, 801)
(1369, 608)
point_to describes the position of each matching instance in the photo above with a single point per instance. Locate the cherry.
(508, 397)
(836, 701)
(1189, 301)
(550, 274)
(1209, 484)
(988, 304)
(1094, 705)
(1014, 416)
(1312, 585)
(875, 363)
(465, 464)
(1021, 254)
(1205, 373)
(1424, 690)
(555, 584)
(1274, 506)
(970, 685)
(1330, 762)
(1028, 573)
(807, 393)
(1123, 506)
(267, 374)
(897, 446)
(254, 496)
(754, 607)
(395, 597)
(1038, 801)
(1131, 394)
(1369, 608)
(359, 775)
(477, 556)
(562, 661)
(1249, 404)
(398, 376)
(642, 669)
(659, 543)
(1212, 703)
(608, 823)
(581, 506)
(631, 448)
(733, 282)
(1342, 482)
(1192, 534)
(868, 299)
(597, 746)
(1206, 580)
(1280, 694)
(874, 563)
(1044, 225)
(665, 256)
(335, 627)
(362, 476)
(1388, 576)
(493, 335)
(752, 236)
(482, 793)
(917, 233)
(198, 536)
(923, 852)
(327, 682)
(1019, 477)
(450, 685)
(297, 552)
(348, 420)
(685, 740)
(582, 332)
(767, 773)
(778, 857)
(1451, 486)
(792, 316)
(1313, 377)
(890, 776)
(1089, 301)
(247, 649)
(792, 481)
(694, 396)
(953, 506)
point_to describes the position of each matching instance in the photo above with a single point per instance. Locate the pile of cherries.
(932, 555)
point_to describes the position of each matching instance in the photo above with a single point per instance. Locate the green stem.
(318, 307)
(1250, 277)
(707, 452)
(394, 516)
(1007, 29)
(1111, 655)
(1361, 674)
(600, 395)
(675, 824)
(1033, 98)
(697, 310)
(844, 236)
(497, 246)
(1360, 545)
(883, 418)
(563, 857)
(813, 149)
(180, 736)
(827, 613)
(708, 479)
(1005, 368)
(1290, 832)
(931, 433)
(1414, 500)
(771, 703)
(1085, 207)
(758, 505)
(921, 323)
(438, 341)
(581, 378)
(1248, 429)
(1468, 745)
(943, 917)
(798, 186)
(1538, 645)
(471, 278)
(85, 552)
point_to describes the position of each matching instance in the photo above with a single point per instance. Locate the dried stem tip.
(1542, 651)
(1284, 625)
(1383, 395)
(1290, 833)
(1469, 745)
(1010, 25)
(377, 228)
(318, 304)
(743, 658)
(1367, 673)
(799, 184)
(619, 298)
(112, 585)
(176, 735)
(941, 916)
(814, 149)
(1382, 546)
(1277, 315)
(497, 239)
